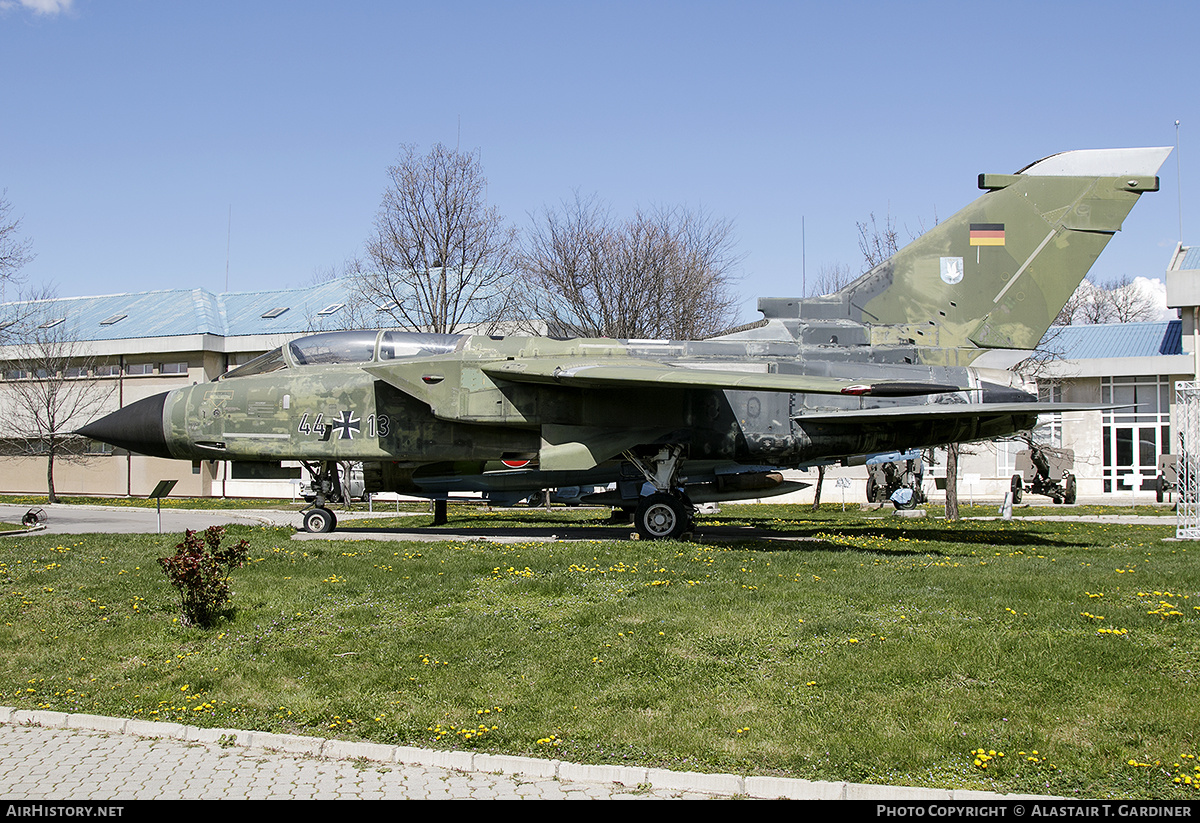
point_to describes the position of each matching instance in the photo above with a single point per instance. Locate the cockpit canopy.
(349, 347)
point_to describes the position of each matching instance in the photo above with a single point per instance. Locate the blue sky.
(140, 140)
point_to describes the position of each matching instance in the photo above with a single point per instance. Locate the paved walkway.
(55, 756)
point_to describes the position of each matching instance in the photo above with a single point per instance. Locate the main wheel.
(1159, 487)
(662, 516)
(319, 521)
(1017, 486)
(1069, 494)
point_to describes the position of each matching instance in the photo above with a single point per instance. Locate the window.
(175, 368)
(134, 369)
(113, 318)
(275, 312)
(1049, 428)
(332, 308)
(96, 447)
(1006, 456)
(1135, 434)
(106, 370)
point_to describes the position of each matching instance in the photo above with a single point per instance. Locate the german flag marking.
(987, 234)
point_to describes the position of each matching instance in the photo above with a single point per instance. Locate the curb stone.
(632, 777)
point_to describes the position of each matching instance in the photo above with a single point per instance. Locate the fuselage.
(410, 399)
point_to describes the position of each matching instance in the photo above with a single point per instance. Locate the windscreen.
(334, 347)
(350, 347)
(262, 364)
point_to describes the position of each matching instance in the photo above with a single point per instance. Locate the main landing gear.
(667, 513)
(318, 518)
(664, 516)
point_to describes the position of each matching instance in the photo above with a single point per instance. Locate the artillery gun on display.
(1045, 471)
(896, 477)
(1167, 481)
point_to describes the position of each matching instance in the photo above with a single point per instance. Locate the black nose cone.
(138, 427)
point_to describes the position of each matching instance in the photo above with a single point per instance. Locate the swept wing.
(630, 373)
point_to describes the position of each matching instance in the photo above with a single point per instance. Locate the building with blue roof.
(137, 345)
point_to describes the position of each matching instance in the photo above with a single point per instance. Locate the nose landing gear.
(327, 485)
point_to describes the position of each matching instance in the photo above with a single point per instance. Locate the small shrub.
(200, 571)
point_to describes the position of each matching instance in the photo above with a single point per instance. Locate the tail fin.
(997, 273)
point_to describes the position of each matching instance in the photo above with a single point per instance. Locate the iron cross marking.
(347, 424)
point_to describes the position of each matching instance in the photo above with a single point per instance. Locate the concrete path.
(55, 756)
(73, 519)
(70, 519)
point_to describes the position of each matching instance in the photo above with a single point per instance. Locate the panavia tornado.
(882, 366)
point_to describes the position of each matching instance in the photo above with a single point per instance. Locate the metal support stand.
(1187, 414)
(160, 491)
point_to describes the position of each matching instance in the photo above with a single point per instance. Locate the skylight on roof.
(115, 318)
(49, 324)
(332, 308)
(275, 312)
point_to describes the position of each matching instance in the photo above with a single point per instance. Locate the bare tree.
(15, 251)
(664, 273)
(359, 309)
(816, 504)
(877, 243)
(952, 452)
(831, 277)
(50, 390)
(1114, 301)
(440, 258)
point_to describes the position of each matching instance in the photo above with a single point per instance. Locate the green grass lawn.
(867, 648)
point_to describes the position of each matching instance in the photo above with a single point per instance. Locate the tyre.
(319, 521)
(874, 493)
(1069, 494)
(1158, 488)
(1017, 487)
(662, 517)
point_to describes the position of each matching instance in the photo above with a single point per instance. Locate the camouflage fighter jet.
(884, 365)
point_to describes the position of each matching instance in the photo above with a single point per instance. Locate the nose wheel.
(319, 520)
(327, 485)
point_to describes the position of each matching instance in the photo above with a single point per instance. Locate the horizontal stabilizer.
(648, 373)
